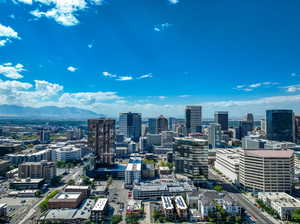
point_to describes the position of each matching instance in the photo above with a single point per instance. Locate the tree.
(71, 182)
(296, 215)
(218, 188)
(115, 219)
(55, 180)
(132, 219)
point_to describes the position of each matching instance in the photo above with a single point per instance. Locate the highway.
(240, 199)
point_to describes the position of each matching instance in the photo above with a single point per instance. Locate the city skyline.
(150, 57)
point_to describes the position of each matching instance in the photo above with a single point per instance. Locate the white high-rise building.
(214, 135)
(193, 119)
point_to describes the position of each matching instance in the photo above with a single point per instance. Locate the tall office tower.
(297, 129)
(162, 124)
(250, 119)
(152, 125)
(44, 137)
(243, 129)
(101, 138)
(263, 125)
(131, 125)
(172, 123)
(221, 117)
(267, 170)
(193, 119)
(214, 135)
(280, 125)
(191, 157)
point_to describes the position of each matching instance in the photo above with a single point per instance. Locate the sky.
(151, 56)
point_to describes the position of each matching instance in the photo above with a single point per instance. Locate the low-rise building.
(66, 200)
(133, 173)
(281, 202)
(24, 184)
(69, 216)
(99, 210)
(167, 207)
(164, 170)
(134, 207)
(23, 194)
(210, 199)
(181, 207)
(85, 190)
(158, 188)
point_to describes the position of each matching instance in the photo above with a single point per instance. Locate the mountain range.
(47, 112)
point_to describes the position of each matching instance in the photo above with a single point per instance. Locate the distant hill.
(48, 112)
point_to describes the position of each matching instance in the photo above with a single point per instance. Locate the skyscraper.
(193, 119)
(214, 135)
(131, 125)
(221, 117)
(297, 129)
(152, 125)
(101, 138)
(280, 125)
(250, 119)
(172, 123)
(162, 124)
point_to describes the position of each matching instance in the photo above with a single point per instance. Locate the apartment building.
(36, 170)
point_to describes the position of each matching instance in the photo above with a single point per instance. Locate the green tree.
(296, 215)
(132, 219)
(71, 182)
(218, 188)
(116, 219)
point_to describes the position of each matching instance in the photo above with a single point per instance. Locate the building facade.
(280, 125)
(221, 117)
(193, 119)
(101, 138)
(131, 125)
(267, 170)
(214, 135)
(37, 170)
(162, 124)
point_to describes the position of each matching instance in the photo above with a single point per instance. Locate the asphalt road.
(239, 198)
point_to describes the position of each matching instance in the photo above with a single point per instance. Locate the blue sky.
(151, 56)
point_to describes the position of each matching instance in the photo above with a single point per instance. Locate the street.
(239, 198)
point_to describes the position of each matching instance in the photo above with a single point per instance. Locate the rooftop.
(68, 196)
(100, 204)
(270, 153)
(281, 199)
(77, 187)
(180, 203)
(167, 203)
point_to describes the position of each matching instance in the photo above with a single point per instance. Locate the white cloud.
(161, 27)
(292, 88)
(249, 88)
(90, 45)
(72, 69)
(63, 12)
(107, 74)
(173, 1)
(7, 34)
(11, 71)
(124, 78)
(145, 76)
(162, 97)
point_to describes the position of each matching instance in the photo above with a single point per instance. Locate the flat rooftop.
(167, 203)
(180, 203)
(281, 199)
(100, 204)
(270, 153)
(68, 196)
(77, 187)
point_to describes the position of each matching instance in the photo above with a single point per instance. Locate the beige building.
(35, 170)
(282, 203)
(267, 170)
